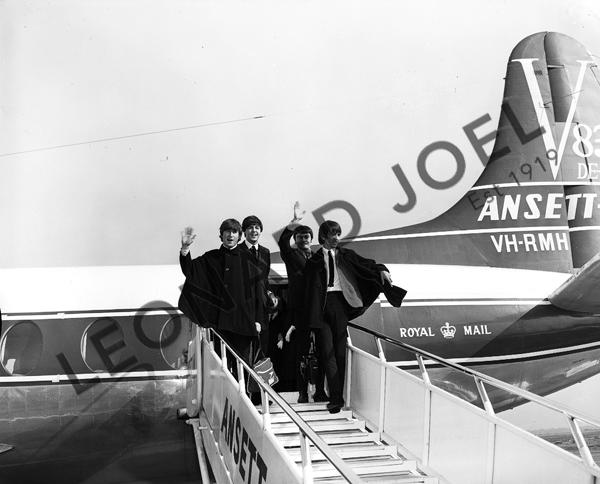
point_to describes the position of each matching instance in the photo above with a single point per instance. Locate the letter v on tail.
(554, 155)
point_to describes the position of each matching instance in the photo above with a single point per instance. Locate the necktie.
(330, 269)
(254, 251)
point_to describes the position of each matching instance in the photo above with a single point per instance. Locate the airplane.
(506, 279)
(92, 350)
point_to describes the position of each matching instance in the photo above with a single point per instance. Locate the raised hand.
(187, 237)
(298, 212)
(386, 277)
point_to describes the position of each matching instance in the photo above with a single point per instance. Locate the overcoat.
(295, 262)
(223, 290)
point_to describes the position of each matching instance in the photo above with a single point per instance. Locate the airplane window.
(21, 348)
(103, 346)
(174, 337)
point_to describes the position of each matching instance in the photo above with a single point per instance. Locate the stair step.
(384, 480)
(293, 440)
(381, 463)
(312, 416)
(301, 407)
(371, 467)
(319, 426)
(347, 452)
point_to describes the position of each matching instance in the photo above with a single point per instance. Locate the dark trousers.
(300, 345)
(241, 344)
(332, 344)
(247, 347)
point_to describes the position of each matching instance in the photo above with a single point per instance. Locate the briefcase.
(264, 367)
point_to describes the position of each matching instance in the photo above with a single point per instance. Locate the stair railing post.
(424, 374)
(382, 383)
(241, 378)
(266, 414)
(489, 408)
(487, 404)
(200, 336)
(210, 337)
(427, 411)
(307, 474)
(223, 354)
(584, 450)
(349, 349)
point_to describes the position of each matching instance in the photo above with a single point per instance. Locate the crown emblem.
(448, 330)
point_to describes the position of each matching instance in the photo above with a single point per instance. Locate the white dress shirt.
(336, 277)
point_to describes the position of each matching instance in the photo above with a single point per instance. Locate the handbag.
(264, 367)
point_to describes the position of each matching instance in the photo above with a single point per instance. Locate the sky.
(122, 122)
(125, 121)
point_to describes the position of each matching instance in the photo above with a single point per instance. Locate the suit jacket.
(362, 273)
(222, 290)
(261, 268)
(295, 262)
(263, 260)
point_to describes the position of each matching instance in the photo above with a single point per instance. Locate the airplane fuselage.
(94, 395)
(116, 375)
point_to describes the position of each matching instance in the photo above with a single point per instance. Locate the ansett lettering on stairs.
(245, 453)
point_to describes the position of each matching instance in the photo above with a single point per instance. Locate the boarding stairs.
(370, 458)
(397, 426)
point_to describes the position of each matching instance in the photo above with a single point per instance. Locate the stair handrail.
(306, 432)
(480, 378)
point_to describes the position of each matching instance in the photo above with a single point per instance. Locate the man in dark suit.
(340, 286)
(260, 260)
(222, 288)
(297, 333)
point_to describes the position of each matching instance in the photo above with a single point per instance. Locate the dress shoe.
(335, 407)
(303, 397)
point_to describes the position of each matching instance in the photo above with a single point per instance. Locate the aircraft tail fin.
(536, 205)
